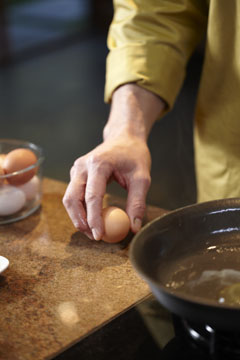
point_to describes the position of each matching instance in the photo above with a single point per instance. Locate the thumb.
(136, 201)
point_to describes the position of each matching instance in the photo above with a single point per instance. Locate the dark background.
(52, 73)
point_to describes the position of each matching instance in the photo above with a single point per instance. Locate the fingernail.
(96, 234)
(80, 224)
(76, 225)
(137, 223)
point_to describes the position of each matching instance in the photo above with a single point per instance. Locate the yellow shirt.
(150, 43)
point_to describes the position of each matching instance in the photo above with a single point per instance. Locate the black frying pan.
(190, 258)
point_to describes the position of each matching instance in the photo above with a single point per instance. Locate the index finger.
(94, 193)
(73, 201)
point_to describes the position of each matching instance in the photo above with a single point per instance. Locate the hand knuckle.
(94, 159)
(99, 163)
(144, 179)
(147, 181)
(139, 206)
(67, 201)
(90, 196)
(79, 165)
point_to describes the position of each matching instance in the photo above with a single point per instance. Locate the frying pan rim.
(172, 213)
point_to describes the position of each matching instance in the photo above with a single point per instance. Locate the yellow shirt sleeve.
(150, 42)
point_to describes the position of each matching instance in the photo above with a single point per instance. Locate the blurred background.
(52, 73)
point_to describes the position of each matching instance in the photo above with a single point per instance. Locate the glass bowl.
(20, 199)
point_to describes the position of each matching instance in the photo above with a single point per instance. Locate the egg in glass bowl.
(20, 179)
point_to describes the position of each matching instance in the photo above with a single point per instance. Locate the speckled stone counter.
(60, 286)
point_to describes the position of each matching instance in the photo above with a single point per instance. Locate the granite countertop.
(60, 286)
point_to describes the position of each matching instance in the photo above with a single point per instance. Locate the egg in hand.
(116, 224)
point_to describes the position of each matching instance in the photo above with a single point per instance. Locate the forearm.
(133, 112)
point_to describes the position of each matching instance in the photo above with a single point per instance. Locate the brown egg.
(116, 224)
(19, 159)
(2, 157)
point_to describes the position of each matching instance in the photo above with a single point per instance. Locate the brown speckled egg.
(116, 224)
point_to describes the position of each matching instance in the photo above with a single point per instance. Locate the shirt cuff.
(158, 68)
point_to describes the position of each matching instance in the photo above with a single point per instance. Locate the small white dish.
(4, 262)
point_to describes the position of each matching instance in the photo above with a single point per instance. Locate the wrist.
(133, 112)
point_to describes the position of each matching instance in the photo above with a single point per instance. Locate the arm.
(150, 43)
(123, 155)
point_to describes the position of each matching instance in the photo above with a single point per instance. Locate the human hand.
(123, 156)
(126, 159)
